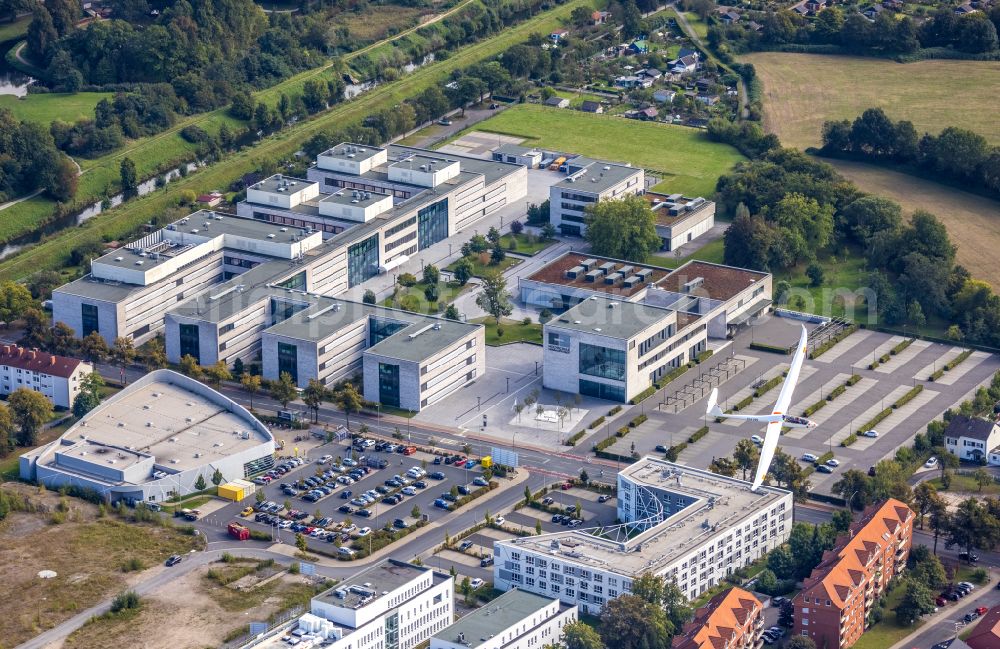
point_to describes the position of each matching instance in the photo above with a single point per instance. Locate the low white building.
(973, 439)
(589, 181)
(691, 526)
(515, 620)
(390, 605)
(56, 377)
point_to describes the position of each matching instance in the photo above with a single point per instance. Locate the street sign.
(504, 457)
(307, 569)
(256, 628)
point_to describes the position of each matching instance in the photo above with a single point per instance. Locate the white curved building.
(152, 440)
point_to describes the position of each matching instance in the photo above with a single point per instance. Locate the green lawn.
(576, 99)
(967, 484)
(887, 632)
(842, 276)
(513, 331)
(413, 298)
(527, 244)
(480, 264)
(711, 252)
(699, 26)
(685, 158)
(45, 108)
(15, 30)
(149, 152)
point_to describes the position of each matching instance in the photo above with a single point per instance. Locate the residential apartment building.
(733, 619)
(973, 439)
(835, 601)
(55, 377)
(588, 182)
(389, 605)
(691, 526)
(612, 349)
(515, 620)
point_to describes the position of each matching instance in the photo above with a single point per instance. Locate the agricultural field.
(973, 221)
(684, 157)
(801, 91)
(46, 108)
(88, 552)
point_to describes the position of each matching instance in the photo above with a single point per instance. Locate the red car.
(941, 601)
(982, 610)
(566, 485)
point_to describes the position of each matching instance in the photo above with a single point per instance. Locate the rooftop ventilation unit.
(694, 284)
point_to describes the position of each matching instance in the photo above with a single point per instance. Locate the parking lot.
(595, 513)
(341, 509)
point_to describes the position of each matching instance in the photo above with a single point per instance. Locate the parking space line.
(898, 417)
(805, 402)
(970, 364)
(847, 344)
(948, 355)
(881, 349)
(904, 357)
(870, 412)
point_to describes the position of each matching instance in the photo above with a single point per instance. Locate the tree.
(129, 177)
(746, 455)
(284, 390)
(982, 478)
(723, 466)
(61, 340)
(123, 352)
(369, 297)
(190, 367)
(939, 518)
(463, 271)
(855, 486)
(623, 229)
(799, 641)
(630, 622)
(767, 581)
(41, 33)
(313, 396)
(815, 274)
(200, 483)
(250, 384)
(842, 520)
(924, 495)
(497, 254)
(451, 313)
(63, 74)
(926, 568)
(314, 95)
(494, 298)
(300, 542)
(89, 396)
(349, 400)
(781, 562)
(6, 433)
(156, 354)
(241, 106)
(580, 635)
(36, 329)
(30, 410)
(15, 300)
(917, 601)
(431, 275)
(218, 373)
(972, 526)
(415, 512)
(218, 478)
(93, 347)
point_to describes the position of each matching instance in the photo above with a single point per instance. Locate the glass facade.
(388, 384)
(282, 310)
(362, 261)
(296, 282)
(288, 360)
(392, 630)
(432, 224)
(89, 319)
(602, 391)
(379, 329)
(602, 361)
(190, 343)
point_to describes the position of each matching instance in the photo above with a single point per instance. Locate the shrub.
(614, 411)
(854, 379)
(125, 601)
(698, 434)
(597, 422)
(850, 439)
(743, 403)
(767, 387)
(194, 134)
(623, 431)
(909, 396)
(575, 438)
(774, 349)
(836, 392)
(636, 421)
(407, 279)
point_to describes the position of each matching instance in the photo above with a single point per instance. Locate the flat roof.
(209, 224)
(495, 617)
(181, 428)
(677, 535)
(366, 586)
(660, 204)
(414, 162)
(290, 184)
(612, 318)
(352, 151)
(554, 272)
(597, 176)
(353, 197)
(516, 149)
(422, 340)
(717, 281)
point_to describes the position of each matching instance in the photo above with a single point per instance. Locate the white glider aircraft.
(779, 416)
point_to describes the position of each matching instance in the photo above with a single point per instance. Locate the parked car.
(931, 462)
(499, 520)
(971, 557)
(480, 482)
(400, 523)
(173, 560)
(441, 503)
(444, 121)
(364, 513)
(660, 448)
(603, 498)
(347, 509)
(757, 439)
(566, 486)
(548, 500)
(437, 475)
(870, 433)
(465, 545)
(833, 462)
(822, 468)
(476, 583)
(464, 489)
(486, 561)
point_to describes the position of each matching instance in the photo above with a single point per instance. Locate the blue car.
(442, 504)
(346, 494)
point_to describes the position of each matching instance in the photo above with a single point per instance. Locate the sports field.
(801, 91)
(973, 221)
(688, 162)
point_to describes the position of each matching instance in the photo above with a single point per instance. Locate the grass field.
(887, 632)
(526, 245)
(481, 264)
(15, 30)
(48, 107)
(973, 221)
(711, 252)
(801, 91)
(447, 293)
(689, 163)
(514, 331)
(374, 25)
(52, 253)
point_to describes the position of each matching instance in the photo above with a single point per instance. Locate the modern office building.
(733, 619)
(128, 291)
(515, 620)
(833, 606)
(389, 605)
(614, 349)
(679, 219)
(56, 377)
(691, 526)
(589, 181)
(152, 440)
(722, 298)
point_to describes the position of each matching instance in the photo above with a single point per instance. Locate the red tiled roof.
(716, 623)
(38, 361)
(986, 634)
(720, 282)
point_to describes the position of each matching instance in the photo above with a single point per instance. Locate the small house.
(729, 17)
(592, 107)
(600, 17)
(651, 73)
(684, 65)
(664, 95)
(557, 102)
(211, 199)
(973, 438)
(643, 114)
(640, 46)
(871, 13)
(708, 100)
(558, 34)
(965, 9)
(801, 9)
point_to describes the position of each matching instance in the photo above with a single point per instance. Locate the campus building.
(389, 605)
(680, 219)
(613, 349)
(589, 181)
(57, 378)
(515, 620)
(733, 619)
(833, 606)
(152, 440)
(691, 526)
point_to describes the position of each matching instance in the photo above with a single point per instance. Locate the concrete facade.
(588, 182)
(515, 620)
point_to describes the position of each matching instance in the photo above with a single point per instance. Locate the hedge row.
(698, 434)
(834, 393)
(774, 349)
(825, 457)
(828, 345)
(597, 422)
(636, 421)
(950, 365)
(667, 378)
(903, 400)
(850, 439)
(764, 389)
(909, 396)
(854, 379)
(614, 411)
(674, 451)
(884, 358)
(571, 441)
